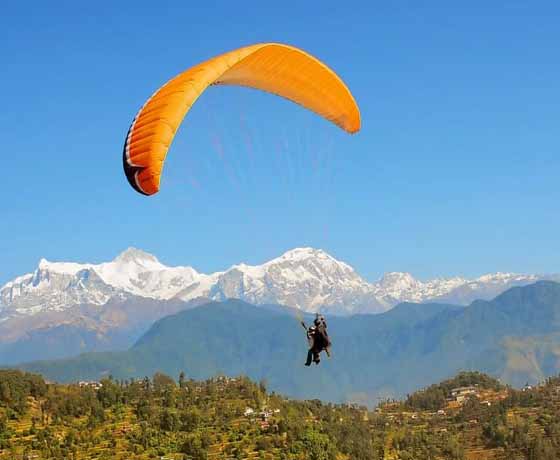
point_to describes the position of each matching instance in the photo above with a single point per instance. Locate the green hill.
(515, 337)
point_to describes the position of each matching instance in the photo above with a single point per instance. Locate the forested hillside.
(470, 417)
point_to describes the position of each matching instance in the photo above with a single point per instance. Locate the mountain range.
(304, 278)
(62, 308)
(515, 337)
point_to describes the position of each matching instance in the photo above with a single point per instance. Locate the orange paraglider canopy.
(275, 68)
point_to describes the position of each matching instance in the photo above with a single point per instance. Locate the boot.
(309, 356)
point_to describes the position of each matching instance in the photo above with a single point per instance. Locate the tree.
(169, 421)
(453, 450)
(318, 446)
(144, 409)
(3, 425)
(162, 382)
(190, 419)
(193, 447)
(109, 392)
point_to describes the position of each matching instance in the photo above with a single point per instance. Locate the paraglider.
(283, 70)
(275, 68)
(318, 339)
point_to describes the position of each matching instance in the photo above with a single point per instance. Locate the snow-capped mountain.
(398, 287)
(55, 286)
(304, 278)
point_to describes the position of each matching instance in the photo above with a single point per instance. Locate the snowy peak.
(299, 264)
(395, 287)
(302, 254)
(311, 257)
(398, 280)
(501, 278)
(55, 286)
(297, 254)
(63, 268)
(138, 257)
(398, 287)
(140, 273)
(304, 278)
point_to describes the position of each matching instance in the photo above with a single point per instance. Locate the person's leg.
(309, 357)
(316, 358)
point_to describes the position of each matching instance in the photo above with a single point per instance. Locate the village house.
(461, 393)
(92, 384)
(464, 391)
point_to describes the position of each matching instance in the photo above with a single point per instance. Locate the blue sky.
(455, 170)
